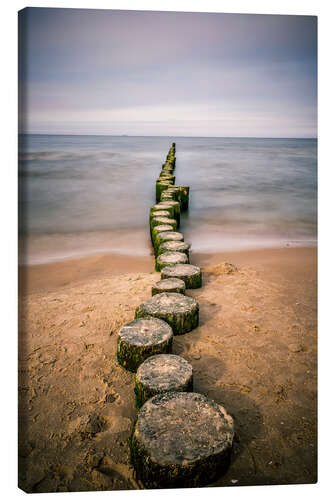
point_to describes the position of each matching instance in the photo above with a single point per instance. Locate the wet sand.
(255, 352)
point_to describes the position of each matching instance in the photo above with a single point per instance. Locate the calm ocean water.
(81, 195)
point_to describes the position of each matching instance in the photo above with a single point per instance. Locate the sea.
(81, 195)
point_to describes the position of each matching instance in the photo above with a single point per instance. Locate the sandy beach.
(215, 115)
(254, 352)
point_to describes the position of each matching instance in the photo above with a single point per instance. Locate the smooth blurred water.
(90, 194)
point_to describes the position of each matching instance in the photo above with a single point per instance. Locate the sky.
(114, 72)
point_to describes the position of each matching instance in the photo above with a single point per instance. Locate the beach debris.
(170, 259)
(295, 347)
(187, 272)
(141, 338)
(171, 285)
(168, 450)
(178, 310)
(162, 373)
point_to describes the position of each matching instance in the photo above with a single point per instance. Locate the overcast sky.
(161, 73)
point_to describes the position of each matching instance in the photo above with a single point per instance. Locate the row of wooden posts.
(180, 437)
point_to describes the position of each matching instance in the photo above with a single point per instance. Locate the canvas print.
(167, 250)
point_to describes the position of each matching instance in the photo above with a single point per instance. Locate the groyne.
(180, 438)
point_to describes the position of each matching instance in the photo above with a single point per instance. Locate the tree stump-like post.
(176, 206)
(162, 213)
(174, 246)
(162, 228)
(162, 373)
(186, 272)
(162, 236)
(162, 206)
(158, 213)
(168, 196)
(157, 221)
(184, 193)
(160, 187)
(165, 176)
(170, 451)
(176, 193)
(179, 311)
(170, 259)
(170, 285)
(167, 168)
(141, 338)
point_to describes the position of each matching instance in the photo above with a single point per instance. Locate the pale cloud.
(145, 73)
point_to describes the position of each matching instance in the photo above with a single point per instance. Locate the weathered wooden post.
(160, 187)
(186, 272)
(185, 452)
(141, 338)
(161, 228)
(161, 236)
(179, 311)
(174, 246)
(170, 259)
(160, 374)
(158, 221)
(171, 285)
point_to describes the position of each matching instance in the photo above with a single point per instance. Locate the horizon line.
(180, 136)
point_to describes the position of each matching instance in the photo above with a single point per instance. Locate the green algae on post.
(184, 193)
(162, 206)
(170, 259)
(141, 338)
(159, 229)
(174, 246)
(160, 187)
(167, 167)
(190, 274)
(162, 373)
(168, 196)
(176, 206)
(175, 192)
(179, 311)
(157, 221)
(162, 236)
(165, 176)
(158, 213)
(184, 452)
